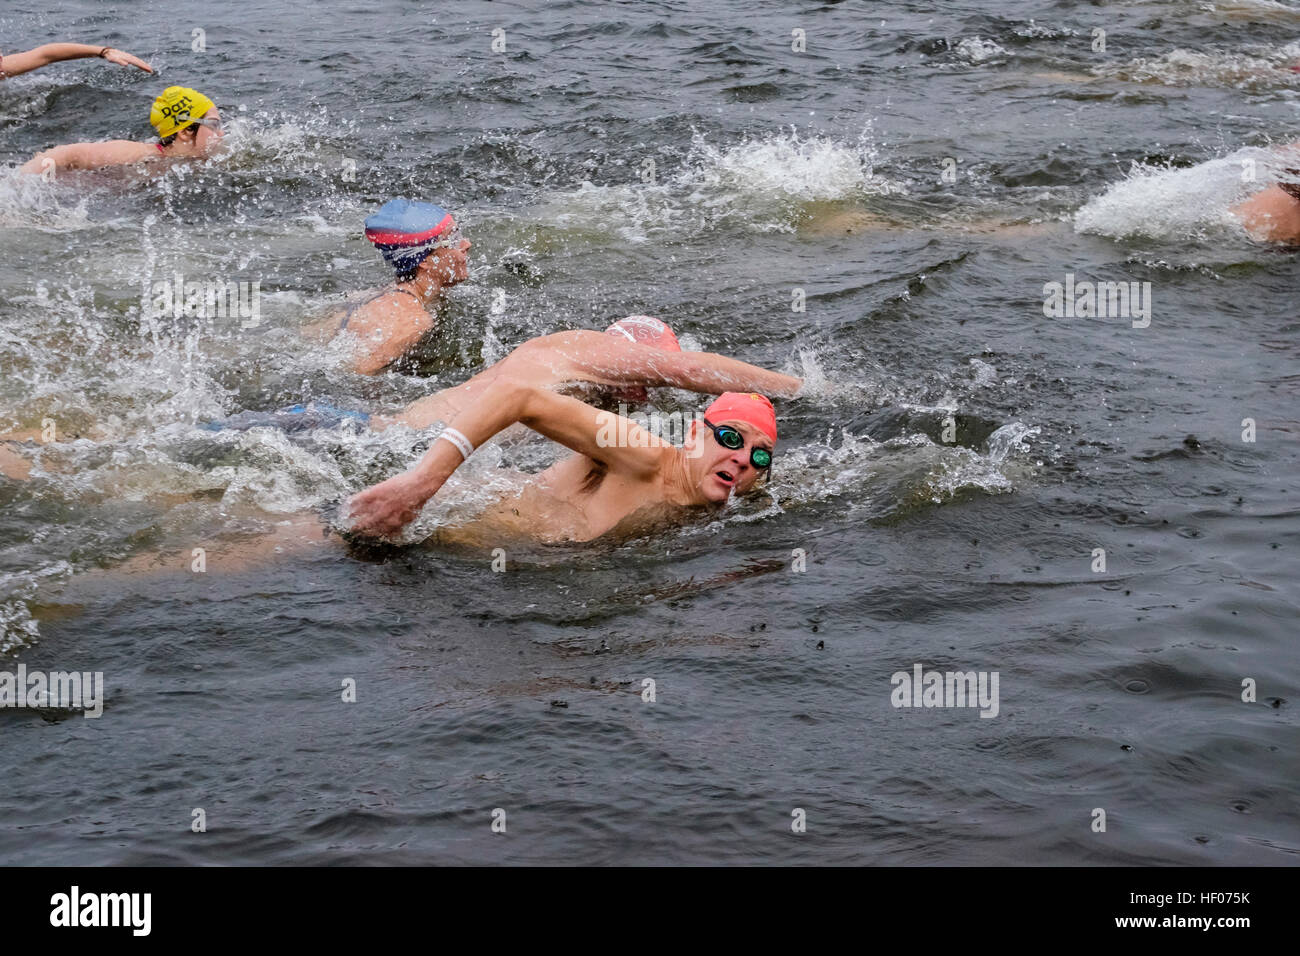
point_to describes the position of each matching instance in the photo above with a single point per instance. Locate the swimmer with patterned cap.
(188, 125)
(423, 244)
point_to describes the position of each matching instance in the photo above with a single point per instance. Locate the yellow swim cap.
(176, 108)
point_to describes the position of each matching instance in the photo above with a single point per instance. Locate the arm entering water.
(604, 359)
(619, 444)
(595, 357)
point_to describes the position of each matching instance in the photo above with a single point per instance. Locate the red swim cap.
(748, 407)
(646, 330)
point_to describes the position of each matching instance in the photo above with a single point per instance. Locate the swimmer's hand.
(391, 505)
(121, 58)
(388, 507)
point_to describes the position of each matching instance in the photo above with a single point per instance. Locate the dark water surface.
(773, 170)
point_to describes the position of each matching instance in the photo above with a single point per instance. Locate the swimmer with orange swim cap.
(188, 125)
(646, 330)
(642, 330)
(619, 473)
(621, 477)
(633, 354)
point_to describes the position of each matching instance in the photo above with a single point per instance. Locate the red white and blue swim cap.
(406, 231)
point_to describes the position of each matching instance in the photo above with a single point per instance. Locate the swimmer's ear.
(693, 435)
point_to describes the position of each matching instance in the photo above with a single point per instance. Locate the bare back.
(385, 326)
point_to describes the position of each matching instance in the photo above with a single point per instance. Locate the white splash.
(978, 50)
(762, 185)
(1180, 203)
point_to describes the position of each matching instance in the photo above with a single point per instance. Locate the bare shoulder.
(575, 342)
(552, 358)
(389, 312)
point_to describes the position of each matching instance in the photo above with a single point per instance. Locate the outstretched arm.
(607, 360)
(595, 357)
(15, 63)
(113, 152)
(618, 443)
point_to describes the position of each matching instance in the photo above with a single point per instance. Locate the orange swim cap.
(748, 407)
(646, 330)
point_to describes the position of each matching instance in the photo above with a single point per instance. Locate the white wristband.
(460, 441)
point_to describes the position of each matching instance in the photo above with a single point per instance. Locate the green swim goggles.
(728, 437)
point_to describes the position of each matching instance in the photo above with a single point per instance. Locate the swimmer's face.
(452, 263)
(209, 131)
(717, 471)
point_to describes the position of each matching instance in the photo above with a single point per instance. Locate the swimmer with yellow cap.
(188, 127)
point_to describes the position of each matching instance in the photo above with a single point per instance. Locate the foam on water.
(758, 184)
(280, 143)
(886, 479)
(1257, 69)
(1269, 11)
(32, 202)
(977, 50)
(17, 627)
(786, 166)
(25, 97)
